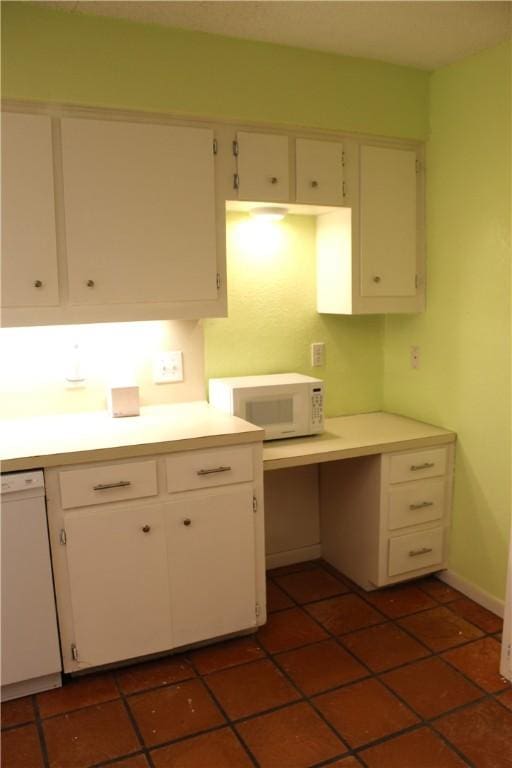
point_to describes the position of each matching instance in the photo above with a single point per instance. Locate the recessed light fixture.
(269, 212)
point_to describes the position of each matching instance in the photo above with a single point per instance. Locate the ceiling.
(415, 33)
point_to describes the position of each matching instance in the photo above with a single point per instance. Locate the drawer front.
(206, 469)
(415, 465)
(103, 484)
(415, 550)
(416, 503)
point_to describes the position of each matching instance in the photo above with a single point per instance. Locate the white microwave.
(284, 404)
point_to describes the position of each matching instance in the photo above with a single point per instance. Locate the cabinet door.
(212, 564)
(117, 564)
(319, 172)
(262, 165)
(29, 250)
(140, 212)
(388, 221)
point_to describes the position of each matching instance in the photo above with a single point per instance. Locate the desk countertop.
(360, 435)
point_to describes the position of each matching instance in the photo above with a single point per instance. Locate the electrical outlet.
(415, 357)
(318, 354)
(168, 367)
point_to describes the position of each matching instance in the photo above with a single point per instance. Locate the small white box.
(123, 401)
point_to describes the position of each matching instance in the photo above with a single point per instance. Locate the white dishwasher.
(30, 646)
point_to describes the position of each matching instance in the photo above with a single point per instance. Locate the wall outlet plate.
(168, 367)
(318, 354)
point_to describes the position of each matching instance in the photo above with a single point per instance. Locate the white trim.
(475, 593)
(291, 556)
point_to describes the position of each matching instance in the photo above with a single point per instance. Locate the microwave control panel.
(317, 408)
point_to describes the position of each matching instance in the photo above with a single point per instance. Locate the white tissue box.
(123, 401)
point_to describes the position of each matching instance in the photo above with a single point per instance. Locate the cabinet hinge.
(235, 148)
(62, 537)
(219, 283)
(215, 147)
(419, 166)
(344, 188)
(254, 504)
(343, 158)
(417, 281)
(257, 610)
(74, 652)
(236, 181)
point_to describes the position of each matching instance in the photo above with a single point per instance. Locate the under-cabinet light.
(269, 212)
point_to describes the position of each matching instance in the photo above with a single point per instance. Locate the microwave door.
(281, 414)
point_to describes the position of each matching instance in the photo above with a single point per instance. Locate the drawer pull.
(422, 551)
(146, 528)
(213, 471)
(105, 486)
(426, 465)
(421, 505)
(187, 522)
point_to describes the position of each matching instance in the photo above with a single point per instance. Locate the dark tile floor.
(405, 677)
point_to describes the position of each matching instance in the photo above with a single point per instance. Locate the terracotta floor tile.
(482, 732)
(17, 711)
(151, 674)
(289, 629)
(306, 586)
(400, 600)
(480, 661)
(364, 712)
(419, 749)
(384, 646)
(137, 761)
(431, 687)
(277, 600)
(506, 698)
(77, 693)
(230, 653)
(218, 749)
(92, 735)
(346, 762)
(316, 668)
(174, 711)
(440, 629)
(293, 737)
(480, 617)
(438, 590)
(343, 614)
(21, 748)
(251, 688)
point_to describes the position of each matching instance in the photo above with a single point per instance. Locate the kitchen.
(462, 382)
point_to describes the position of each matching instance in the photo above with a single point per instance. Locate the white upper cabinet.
(388, 221)
(29, 251)
(139, 211)
(319, 172)
(263, 167)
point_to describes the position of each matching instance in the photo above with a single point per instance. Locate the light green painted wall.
(273, 320)
(464, 379)
(51, 55)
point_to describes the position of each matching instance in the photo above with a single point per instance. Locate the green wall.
(273, 319)
(464, 379)
(51, 55)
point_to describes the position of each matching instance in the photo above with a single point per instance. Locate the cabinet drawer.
(415, 503)
(206, 469)
(112, 482)
(415, 465)
(415, 550)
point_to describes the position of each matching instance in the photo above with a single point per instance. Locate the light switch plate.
(168, 367)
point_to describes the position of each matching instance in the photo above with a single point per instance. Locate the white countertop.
(48, 441)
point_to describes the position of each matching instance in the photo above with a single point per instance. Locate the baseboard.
(475, 593)
(291, 556)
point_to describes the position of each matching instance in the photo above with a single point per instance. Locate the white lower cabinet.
(139, 576)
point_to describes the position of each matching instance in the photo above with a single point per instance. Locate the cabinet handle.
(146, 528)
(421, 505)
(90, 283)
(274, 179)
(213, 471)
(187, 522)
(422, 551)
(314, 184)
(38, 283)
(376, 279)
(105, 486)
(426, 465)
